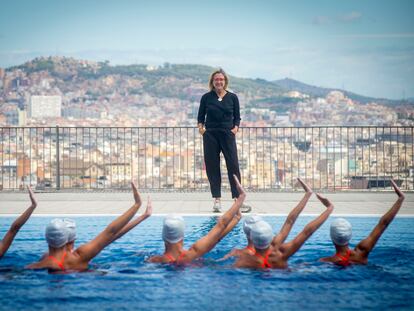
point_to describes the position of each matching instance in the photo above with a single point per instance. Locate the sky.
(364, 46)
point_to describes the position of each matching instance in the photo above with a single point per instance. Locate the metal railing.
(160, 158)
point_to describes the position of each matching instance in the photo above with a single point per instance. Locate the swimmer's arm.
(17, 224)
(288, 249)
(132, 224)
(233, 253)
(206, 243)
(293, 215)
(89, 250)
(365, 246)
(231, 225)
(39, 264)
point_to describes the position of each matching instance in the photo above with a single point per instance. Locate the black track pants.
(214, 142)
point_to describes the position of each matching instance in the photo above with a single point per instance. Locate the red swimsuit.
(172, 259)
(344, 260)
(265, 259)
(59, 263)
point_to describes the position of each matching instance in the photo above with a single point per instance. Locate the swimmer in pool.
(17, 224)
(71, 227)
(57, 236)
(341, 232)
(250, 220)
(173, 234)
(272, 251)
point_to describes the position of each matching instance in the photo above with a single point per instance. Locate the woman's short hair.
(226, 79)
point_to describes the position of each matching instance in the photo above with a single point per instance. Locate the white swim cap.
(173, 228)
(71, 226)
(56, 233)
(341, 231)
(261, 234)
(249, 221)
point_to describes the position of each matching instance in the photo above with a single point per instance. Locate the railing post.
(57, 159)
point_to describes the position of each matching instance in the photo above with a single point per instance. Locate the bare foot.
(397, 190)
(305, 186)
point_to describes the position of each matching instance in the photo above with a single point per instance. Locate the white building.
(41, 106)
(22, 117)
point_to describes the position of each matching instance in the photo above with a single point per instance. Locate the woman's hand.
(235, 129)
(201, 129)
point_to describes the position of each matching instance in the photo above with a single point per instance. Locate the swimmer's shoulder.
(358, 257)
(246, 260)
(41, 264)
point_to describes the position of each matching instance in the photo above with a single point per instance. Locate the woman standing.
(218, 123)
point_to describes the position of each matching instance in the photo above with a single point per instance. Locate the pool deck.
(200, 203)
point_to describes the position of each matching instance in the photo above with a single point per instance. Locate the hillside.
(169, 80)
(104, 94)
(294, 85)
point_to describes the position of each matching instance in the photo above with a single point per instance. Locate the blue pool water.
(120, 278)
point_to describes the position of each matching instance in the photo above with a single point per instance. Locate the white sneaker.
(217, 207)
(245, 208)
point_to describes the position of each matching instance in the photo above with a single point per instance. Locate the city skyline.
(364, 47)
